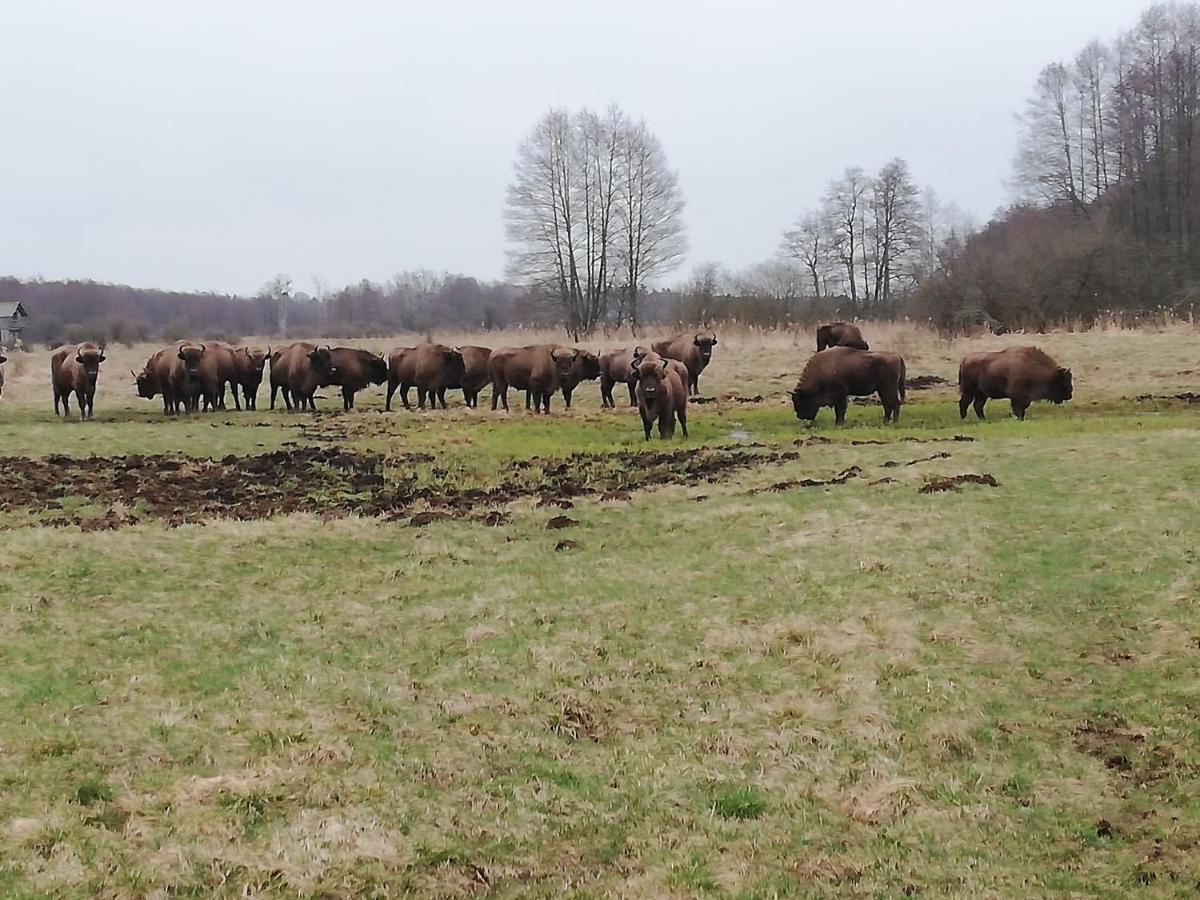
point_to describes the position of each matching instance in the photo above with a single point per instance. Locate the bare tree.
(845, 209)
(810, 241)
(592, 200)
(896, 229)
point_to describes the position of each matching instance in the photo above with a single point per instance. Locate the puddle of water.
(740, 435)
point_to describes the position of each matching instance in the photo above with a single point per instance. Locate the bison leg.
(546, 402)
(964, 403)
(839, 410)
(499, 393)
(529, 399)
(891, 405)
(666, 425)
(646, 423)
(391, 390)
(632, 393)
(605, 393)
(1018, 409)
(405, 386)
(980, 400)
(59, 396)
(237, 403)
(441, 395)
(682, 413)
(567, 396)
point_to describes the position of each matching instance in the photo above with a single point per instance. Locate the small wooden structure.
(11, 324)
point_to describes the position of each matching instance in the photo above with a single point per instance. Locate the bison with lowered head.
(352, 370)
(155, 378)
(74, 369)
(661, 394)
(840, 334)
(298, 370)
(538, 370)
(694, 350)
(431, 367)
(1021, 374)
(833, 376)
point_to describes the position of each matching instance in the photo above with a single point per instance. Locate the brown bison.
(693, 350)
(155, 378)
(661, 394)
(250, 362)
(191, 377)
(1021, 374)
(585, 367)
(616, 367)
(840, 334)
(74, 368)
(222, 370)
(354, 369)
(476, 373)
(538, 370)
(833, 376)
(298, 370)
(431, 367)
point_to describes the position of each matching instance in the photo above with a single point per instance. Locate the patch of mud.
(956, 439)
(332, 482)
(935, 485)
(924, 382)
(840, 478)
(892, 464)
(1186, 396)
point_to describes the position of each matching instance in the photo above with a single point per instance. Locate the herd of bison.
(659, 378)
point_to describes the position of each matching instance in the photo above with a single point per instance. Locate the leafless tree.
(896, 229)
(810, 241)
(845, 211)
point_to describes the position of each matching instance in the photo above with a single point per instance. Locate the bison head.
(377, 369)
(89, 358)
(587, 366)
(564, 359)
(191, 354)
(1061, 388)
(456, 366)
(650, 373)
(3, 358)
(256, 359)
(806, 404)
(322, 361)
(705, 341)
(147, 384)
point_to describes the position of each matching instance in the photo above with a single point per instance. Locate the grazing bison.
(1021, 374)
(250, 362)
(661, 394)
(538, 370)
(298, 370)
(476, 373)
(833, 376)
(616, 367)
(354, 370)
(431, 367)
(3, 360)
(840, 334)
(74, 368)
(693, 350)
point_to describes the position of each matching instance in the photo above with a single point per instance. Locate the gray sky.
(212, 144)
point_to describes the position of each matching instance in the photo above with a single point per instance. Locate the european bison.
(431, 367)
(1021, 374)
(190, 377)
(74, 368)
(221, 368)
(693, 350)
(354, 370)
(616, 367)
(585, 367)
(155, 378)
(476, 373)
(538, 370)
(661, 394)
(298, 370)
(833, 376)
(250, 362)
(840, 334)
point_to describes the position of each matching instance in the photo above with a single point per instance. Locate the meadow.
(463, 653)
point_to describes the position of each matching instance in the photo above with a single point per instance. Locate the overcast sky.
(212, 144)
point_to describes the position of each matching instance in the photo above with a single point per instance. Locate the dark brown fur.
(354, 370)
(431, 367)
(694, 350)
(155, 378)
(840, 334)
(191, 377)
(1020, 374)
(75, 368)
(661, 394)
(832, 376)
(538, 370)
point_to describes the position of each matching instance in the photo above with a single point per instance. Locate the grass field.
(767, 661)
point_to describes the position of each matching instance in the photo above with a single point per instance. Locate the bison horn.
(134, 374)
(202, 348)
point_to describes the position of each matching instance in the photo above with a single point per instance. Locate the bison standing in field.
(616, 367)
(191, 378)
(832, 376)
(1021, 374)
(431, 367)
(538, 370)
(221, 370)
(155, 378)
(585, 367)
(298, 370)
(693, 350)
(75, 368)
(661, 394)
(354, 370)
(250, 362)
(476, 373)
(840, 334)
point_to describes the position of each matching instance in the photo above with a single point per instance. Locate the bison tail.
(903, 379)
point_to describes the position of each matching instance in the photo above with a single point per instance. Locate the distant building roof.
(11, 309)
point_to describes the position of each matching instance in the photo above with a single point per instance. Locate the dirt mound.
(924, 382)
(935, 485)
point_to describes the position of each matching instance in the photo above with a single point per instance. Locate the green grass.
(856, 689)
